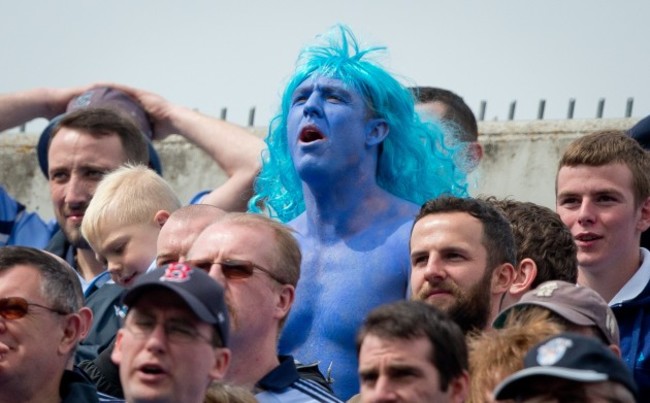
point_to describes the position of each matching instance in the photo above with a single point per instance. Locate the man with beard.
(257, 260)
(462, 259)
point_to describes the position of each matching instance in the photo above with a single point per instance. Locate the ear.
(285, 298)
(221, 363)
(86, 315)
(376, 131)
(644, 220)
(74, 328)
(615, 349)
(524, 277)
(116, 355)
(502, 278)
(161, 217)
(459, 388)
(474, 153)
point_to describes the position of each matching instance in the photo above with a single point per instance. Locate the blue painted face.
(327, 127)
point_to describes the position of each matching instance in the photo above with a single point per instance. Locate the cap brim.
(509, 388)
(134, 294)
(567, 313)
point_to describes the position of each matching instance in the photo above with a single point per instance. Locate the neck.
(251, 361)
(608, 282)
(87, 265)
(331, 205)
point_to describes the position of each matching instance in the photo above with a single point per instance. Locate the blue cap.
(202, 294)
(109, 98)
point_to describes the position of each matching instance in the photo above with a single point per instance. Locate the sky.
(238, 54)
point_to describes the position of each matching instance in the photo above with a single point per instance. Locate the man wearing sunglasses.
(258, 262)
(173, 342)
(41, 322)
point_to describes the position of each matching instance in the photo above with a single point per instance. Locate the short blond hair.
(132, 194)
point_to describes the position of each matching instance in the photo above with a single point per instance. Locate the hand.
(157, 107)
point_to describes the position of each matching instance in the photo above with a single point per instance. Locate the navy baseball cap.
(202, 294)
(109, 98)
(568, 356)
(641, 132)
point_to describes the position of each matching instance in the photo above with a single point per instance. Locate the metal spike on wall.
(251, 117)
(628, 107)
(572, 108)
(224, 112)
(482, 108)
(540, 109)
(601, 108)
(511, 112)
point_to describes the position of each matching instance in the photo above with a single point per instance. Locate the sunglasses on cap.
(237, 269)
(17, 307)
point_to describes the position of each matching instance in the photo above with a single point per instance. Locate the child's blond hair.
(132, 194)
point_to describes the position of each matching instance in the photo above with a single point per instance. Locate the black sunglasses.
(17, 307)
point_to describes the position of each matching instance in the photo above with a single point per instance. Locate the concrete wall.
(519, 160)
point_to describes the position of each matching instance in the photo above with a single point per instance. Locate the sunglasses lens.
(13, 308)
(237, 270)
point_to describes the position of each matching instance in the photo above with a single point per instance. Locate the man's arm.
(232, 147)
(20, 107)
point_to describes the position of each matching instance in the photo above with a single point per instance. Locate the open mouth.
(310, 134)
(587, 237)
(152, 369)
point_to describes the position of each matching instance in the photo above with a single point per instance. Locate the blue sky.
(238, 54)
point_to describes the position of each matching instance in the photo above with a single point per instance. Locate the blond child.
(123, 220)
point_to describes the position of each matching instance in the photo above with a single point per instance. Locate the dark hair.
(457, 110)
(59, 283)
(497, 235)
(541, 236)
(104, 122)
(411, 320)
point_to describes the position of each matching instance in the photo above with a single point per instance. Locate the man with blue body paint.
(349, 162)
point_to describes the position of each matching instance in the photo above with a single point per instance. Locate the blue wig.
(414, 164)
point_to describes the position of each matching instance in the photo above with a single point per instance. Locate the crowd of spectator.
(342, 260)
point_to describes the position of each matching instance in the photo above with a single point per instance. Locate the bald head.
(182, 228)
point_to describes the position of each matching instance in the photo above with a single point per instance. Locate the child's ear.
(161, 217)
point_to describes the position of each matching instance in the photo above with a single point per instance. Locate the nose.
(217, 273)
(114, 268)
(384, 391)
(313, 106)
(76, 191)
(434, 269)
(586, 213)
(157, 339)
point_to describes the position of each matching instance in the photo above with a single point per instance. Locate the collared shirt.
(283, 384)
(636, 283)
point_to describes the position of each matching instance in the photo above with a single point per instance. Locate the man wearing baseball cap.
(570, 367)
(174, 338)
(578, 309)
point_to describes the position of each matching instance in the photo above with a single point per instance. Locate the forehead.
(323, 83)
(243, 240)
(448, 227)
(85, 147)
(589, 179)
(396, 351)
(21, 281)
